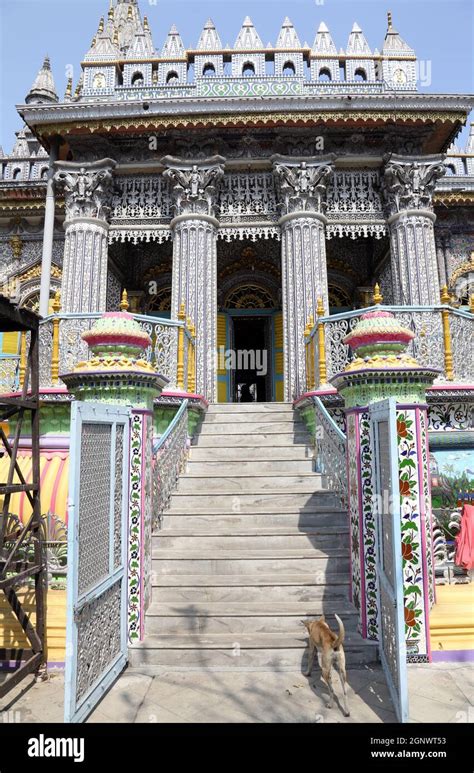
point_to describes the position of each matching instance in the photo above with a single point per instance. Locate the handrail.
(170, 428)
(330, 451)
(170, 453)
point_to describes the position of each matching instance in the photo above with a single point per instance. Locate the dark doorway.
(251, 374)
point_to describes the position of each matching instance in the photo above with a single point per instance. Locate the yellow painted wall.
(11, 633)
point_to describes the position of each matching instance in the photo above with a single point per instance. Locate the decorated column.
(88, 192)
(118, 373)
(302, 186)
(194, 187)
(409, 183)
(381, 368)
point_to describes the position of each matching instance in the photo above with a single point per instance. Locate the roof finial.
(116, 37)
(111, 10)
(68, 92)
(101, 26)
(389, 19)
(130, 13)
(377, 296)
(145, 24)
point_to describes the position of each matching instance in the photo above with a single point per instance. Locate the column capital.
(194, 184)
(88, 188)
(409, 181)
(302, 182)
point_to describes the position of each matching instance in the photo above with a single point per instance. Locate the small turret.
(43, 89)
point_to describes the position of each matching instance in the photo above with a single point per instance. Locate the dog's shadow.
(316, 680)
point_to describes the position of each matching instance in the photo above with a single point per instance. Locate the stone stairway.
(251, 544)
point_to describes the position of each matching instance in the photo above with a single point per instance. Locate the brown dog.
(330, 652)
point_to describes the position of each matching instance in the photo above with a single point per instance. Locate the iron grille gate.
(389, 558)
(96, 642)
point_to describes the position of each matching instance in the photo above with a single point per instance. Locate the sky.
(440, 31)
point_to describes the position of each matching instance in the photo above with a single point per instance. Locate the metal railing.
(443, 339)
(330, 451)
(169, 459)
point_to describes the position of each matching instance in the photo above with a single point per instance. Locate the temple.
(246, 205)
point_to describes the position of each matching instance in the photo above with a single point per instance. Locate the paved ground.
(438, 693)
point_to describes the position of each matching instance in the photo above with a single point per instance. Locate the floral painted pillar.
(381, 368)
(118, 373)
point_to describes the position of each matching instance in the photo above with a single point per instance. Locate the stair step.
(244, 484)
(233, 562)
(265, 581)
(236, 408)
(251, 417)
(242, 618)
(271, 467)
(198, 520)
(277, 651)
(247, 542)
(255, 440)
(249, 453)
(264, 590)
(295, 427)
(200, 501)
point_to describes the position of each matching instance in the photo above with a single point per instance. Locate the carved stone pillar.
(302, 186)
(409, 183)
(88, 192)
(194, 187)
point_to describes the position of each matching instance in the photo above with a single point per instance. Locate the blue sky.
(440, 31)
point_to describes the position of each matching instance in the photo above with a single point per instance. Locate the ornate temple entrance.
(249, 323)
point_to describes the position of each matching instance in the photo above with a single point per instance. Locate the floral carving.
(409, 182)
(194, 184)
(88, 188)
(302, 184)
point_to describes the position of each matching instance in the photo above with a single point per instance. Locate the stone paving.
(438, 693)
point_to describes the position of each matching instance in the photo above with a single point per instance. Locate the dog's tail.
(341, 635)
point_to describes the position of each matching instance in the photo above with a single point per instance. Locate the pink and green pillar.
(118, 373)
(382, 368)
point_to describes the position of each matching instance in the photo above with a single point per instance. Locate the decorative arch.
(324, 75)
(360, 74)
(289, 68)
(172, 78)
(249, 296)
(338, 297)
(137, 79)
(209, 70)
(248, 69)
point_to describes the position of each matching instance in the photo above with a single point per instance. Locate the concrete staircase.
(251, 545)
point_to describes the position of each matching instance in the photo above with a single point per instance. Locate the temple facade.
(245, 185)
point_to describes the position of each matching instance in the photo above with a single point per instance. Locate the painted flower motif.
(404, 488)
(410, 617)
(407, 551)
(402, 430)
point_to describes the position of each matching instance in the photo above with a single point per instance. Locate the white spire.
(393, 43)
(102, 48)
(248, 37)
(323, 42)
(357, 43)
(43, 89)
(142, 46)
(209, 40)
(288, 38)
(21, 149)
(173, 47)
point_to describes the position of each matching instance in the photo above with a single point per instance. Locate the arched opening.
(324, 75)
(450, 169)
(172, 78)
(137, 79)
(44, 173)
(208, 70)
(16, 174)
(289, 69)
(360, 75)
(248, 69)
